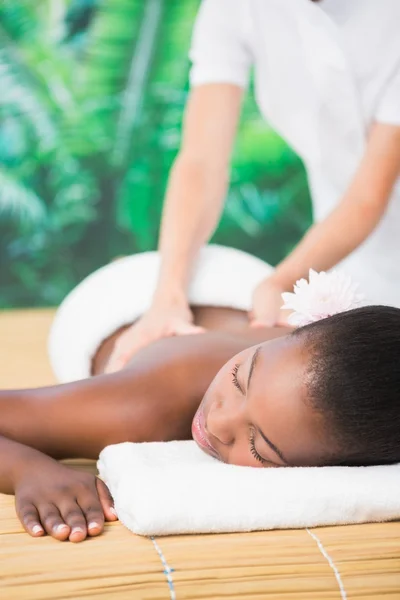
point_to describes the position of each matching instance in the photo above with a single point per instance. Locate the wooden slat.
(119, 565)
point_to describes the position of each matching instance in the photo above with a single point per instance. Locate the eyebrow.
(267, 441)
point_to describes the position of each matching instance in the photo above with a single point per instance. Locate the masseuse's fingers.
(267, 302)
(283, 317)
(106, 501)
(138, 336)
(187, 329)
(132, 340)
(116, 363)
(260, 324)
(119, 361)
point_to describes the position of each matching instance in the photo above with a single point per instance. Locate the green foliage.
(90, 123)
(20, 204)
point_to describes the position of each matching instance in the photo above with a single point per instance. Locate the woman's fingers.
(29, 517)
(63, 503)
(73, 515)
(45, 518)
(106, 501)
(52, 521)
(92, 507)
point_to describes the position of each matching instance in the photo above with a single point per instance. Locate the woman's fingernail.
(60, 528)
(93, 525)
(77, 530)
(113, 511)
(37, 529)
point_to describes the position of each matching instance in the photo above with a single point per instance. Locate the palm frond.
(132, 98)
(38, 87)
(18, 203)
(19, 96)
(120, 50)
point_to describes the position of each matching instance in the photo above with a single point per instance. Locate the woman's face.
(255, 412)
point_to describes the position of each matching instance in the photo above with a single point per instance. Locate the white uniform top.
(322, 72)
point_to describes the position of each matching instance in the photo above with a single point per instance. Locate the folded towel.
(164, 488)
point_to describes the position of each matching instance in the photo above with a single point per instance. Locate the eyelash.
(253, 449)
(251, 439)
(234, 377)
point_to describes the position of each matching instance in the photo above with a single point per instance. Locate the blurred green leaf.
(19, 203)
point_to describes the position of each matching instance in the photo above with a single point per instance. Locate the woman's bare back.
(226, 320)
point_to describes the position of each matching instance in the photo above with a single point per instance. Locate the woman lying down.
(323, 394)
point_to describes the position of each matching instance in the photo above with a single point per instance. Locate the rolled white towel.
(165, 488)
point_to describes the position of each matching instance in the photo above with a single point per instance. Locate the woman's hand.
(66, 504)
(159, 322)
(267, 303)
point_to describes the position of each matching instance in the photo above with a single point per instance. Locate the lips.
(199, 434)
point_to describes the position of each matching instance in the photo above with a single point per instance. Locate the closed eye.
(254, 452)
(235, 380)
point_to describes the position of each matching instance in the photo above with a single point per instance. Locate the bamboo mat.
(360, 562)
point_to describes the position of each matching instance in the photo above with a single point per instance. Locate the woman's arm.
(350, 223)
(198, 181)
(193, 205)
(357, 215)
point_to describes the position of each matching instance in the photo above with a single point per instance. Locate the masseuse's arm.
(194, 201)
(349, 224)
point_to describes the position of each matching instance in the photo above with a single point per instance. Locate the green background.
(91, 101)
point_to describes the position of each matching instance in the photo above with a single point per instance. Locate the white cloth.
(163, 488)
(323, 72)
(122, 291)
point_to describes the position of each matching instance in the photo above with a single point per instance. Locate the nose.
(224, 419)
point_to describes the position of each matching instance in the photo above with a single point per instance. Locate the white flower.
(324, 295)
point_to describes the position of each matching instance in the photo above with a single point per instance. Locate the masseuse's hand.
(161, 320)
(267, 303)
(66, 504)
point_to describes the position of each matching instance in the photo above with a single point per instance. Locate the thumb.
(106, 501)
(116, 363)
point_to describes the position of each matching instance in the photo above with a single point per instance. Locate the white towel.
(164, 488)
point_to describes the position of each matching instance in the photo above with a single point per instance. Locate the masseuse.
(327, 78)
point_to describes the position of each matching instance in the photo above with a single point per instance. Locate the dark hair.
(353, 380)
